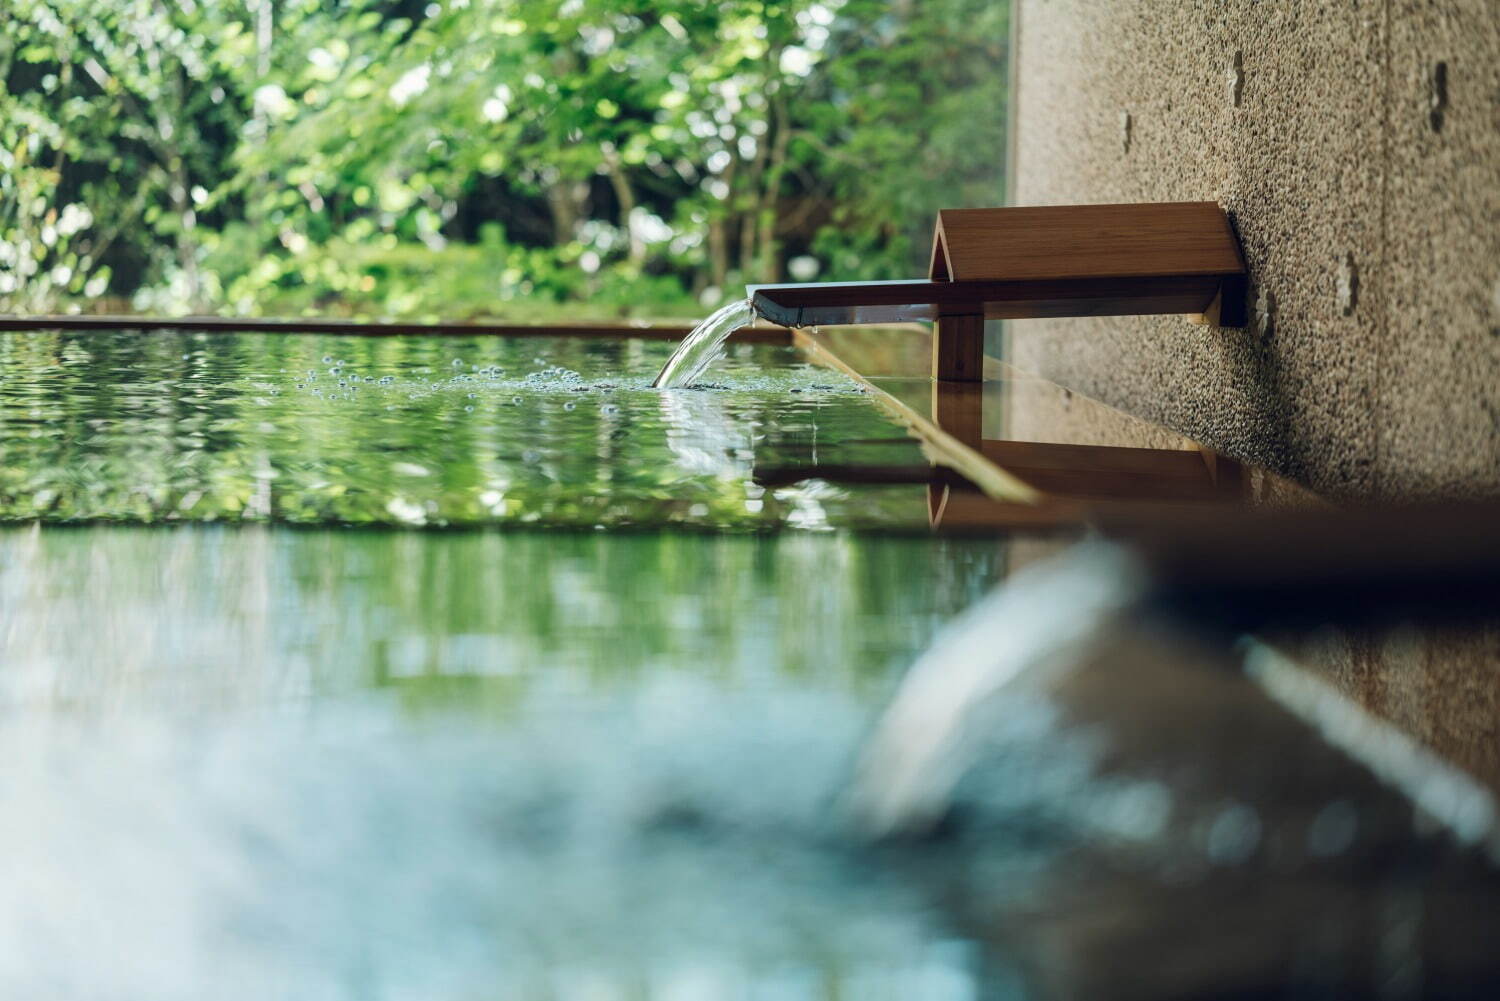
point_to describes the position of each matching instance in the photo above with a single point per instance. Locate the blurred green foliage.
(467, 158)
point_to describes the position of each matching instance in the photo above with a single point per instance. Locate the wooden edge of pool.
(759, 334)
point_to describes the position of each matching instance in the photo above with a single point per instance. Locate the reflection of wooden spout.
(1051, 261)
(1072, 480)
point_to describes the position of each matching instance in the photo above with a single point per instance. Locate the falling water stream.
(699, 348)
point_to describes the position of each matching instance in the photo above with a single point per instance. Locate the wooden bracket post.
(958, 348)
(958, 408)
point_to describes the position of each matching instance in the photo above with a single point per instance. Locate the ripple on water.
(169, 416)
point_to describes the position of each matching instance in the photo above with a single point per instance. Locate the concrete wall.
(1367, 194)
(1357, 143)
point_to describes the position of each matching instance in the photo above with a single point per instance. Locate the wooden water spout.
(1046, 261)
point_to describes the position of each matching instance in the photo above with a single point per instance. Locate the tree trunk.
(718, 251)
(565, 200)
(768, 264)
(625, 195)
(187, 245)
(181, 190)
(265, 16)
(748, 229)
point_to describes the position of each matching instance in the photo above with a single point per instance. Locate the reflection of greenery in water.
(196, 619)
(164, 427)
(351, 762)
(346, 764)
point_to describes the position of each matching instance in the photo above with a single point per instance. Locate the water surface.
(115, 621)
(157, 426)
(269, 733)
(353, 764)
(274, 735)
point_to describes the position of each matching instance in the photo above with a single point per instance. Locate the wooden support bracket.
(1186, 250)
(958, 348)
(958, 408)
(1043, 261)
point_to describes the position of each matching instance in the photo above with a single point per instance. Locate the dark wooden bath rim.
(371, 328)
(1236, 571)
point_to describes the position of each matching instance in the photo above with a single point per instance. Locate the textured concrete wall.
(1357, 144)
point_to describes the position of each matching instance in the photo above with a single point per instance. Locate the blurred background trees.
(522, 159)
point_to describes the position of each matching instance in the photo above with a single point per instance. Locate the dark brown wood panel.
(1084, 241)
(958, 349)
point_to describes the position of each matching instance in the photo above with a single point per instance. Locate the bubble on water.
(515, 401)
(335, 370)
(570, 405)
(328, 359)
(473, 396)
(469, 409)
(458, 363)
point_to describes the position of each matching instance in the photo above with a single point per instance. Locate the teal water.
(353, 764)
(409, 690)
(271, 734)
(163, 427)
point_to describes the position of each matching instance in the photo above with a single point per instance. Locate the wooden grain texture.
(958, 349)
(1084, 241)
(958, 408)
